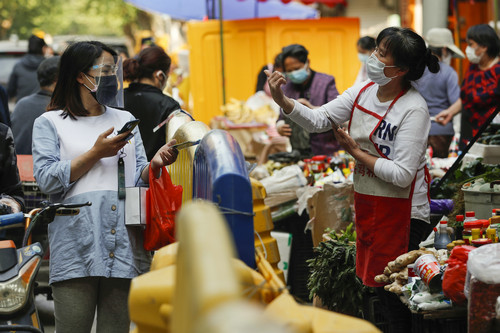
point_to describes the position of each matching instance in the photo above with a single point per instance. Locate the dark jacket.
(151, 106)
(4, 107)
(10, 182)
(23, 80)
(25, 112)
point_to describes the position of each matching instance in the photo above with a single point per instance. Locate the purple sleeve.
(332, 91)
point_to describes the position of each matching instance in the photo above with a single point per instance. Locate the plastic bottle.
(470, 216)
(491, 234)
(442, 239)
(469, 223)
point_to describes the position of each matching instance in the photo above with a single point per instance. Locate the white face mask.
(363, 57)
(375, 71)
(446, 59)
(163, 80)
(471, 55)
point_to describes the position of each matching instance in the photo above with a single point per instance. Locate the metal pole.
(495, 15)
(222, 53)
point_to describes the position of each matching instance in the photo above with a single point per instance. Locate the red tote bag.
(164, 201)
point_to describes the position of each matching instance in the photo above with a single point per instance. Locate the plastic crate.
(438, 325)
(32, 195)
(375, 314)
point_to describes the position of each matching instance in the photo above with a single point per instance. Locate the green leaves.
(61, 17)
(333, 277)
(343, 236)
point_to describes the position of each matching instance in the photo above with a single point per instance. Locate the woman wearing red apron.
(388, 128)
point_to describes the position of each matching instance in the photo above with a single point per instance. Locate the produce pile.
(491, 135)
(238, 112)
(333, 274)
(396, 272)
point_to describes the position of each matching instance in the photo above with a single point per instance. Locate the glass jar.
(467, 232)
(318, 163)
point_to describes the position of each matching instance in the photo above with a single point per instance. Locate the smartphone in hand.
(334, 124)
(129, 126)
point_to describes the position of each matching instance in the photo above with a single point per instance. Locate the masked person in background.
(365, 47)
(23, 79)
(480, 91)
(387, 135)
(78, 157)
(31, 107)
(312, 89)
(441, 90)
(144, 97)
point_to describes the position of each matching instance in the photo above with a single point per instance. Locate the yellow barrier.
(251, 44)
(181, 171)
(263, 225)
(202, 288)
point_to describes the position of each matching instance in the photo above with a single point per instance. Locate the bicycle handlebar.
(49, 212)
(11, 219)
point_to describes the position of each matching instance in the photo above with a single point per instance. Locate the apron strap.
(356, 101)
(401, 93)
(428, 180)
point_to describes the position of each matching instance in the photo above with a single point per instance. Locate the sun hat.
(442, 37)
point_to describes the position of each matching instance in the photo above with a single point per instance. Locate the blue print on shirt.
(385, 131)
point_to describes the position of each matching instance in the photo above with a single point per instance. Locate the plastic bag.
(165, 200)
(483, 272)
(454, 276)
(441, 206)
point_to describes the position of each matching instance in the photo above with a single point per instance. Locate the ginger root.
(393, 267)
(382, 278)
(407, 258)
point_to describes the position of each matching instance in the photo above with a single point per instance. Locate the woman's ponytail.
(432, 62)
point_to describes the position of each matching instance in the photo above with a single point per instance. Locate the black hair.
(47, 71)
(485, 36)
(409, 52)
(148, 61)
(76, 59)
(296, 51)
(122, 49)
(35, 45)
(367, 43)
(278, 61)
(437, 51)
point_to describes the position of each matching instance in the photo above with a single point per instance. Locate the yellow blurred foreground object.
(196, 285)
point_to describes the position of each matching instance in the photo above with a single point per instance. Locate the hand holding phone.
(334, 124)
(128, 127)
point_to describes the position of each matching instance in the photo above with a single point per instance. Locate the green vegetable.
(347, 235)
(333, 278)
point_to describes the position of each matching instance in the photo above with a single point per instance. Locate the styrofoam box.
(490, 153)
(284, 240)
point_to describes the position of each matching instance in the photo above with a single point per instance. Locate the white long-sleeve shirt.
(402, 136)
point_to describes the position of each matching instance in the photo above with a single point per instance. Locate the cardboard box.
(135, 206)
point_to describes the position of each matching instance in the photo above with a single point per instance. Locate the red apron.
(383, 210)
